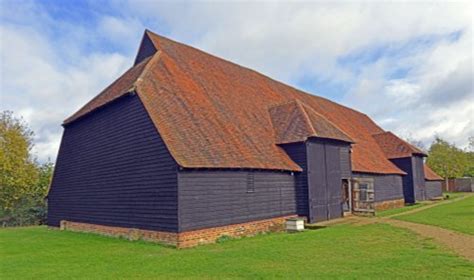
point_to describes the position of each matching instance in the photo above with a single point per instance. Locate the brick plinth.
(167, 238)
(182, 239)
(389, 204)
(205, 236)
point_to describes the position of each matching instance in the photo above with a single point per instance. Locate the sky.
(408, 65)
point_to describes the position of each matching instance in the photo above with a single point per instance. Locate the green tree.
(470, 156)
(23, 182)
(18, 172)
(447, 160)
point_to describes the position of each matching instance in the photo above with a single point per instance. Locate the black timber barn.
(185, 141)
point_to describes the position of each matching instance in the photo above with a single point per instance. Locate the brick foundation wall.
(167, 238)
(389, 204)
(205, 236)
(183, 239)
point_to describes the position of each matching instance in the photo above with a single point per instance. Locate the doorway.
(346, 197)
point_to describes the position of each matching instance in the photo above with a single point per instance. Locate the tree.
(470, 156)
(447, 160)
(18, 173)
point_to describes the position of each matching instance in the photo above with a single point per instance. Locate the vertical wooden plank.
(334, 181)
(317, 182)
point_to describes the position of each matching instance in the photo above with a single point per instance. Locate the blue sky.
(407, 65)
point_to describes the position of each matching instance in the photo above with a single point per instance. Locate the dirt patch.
(462, 244)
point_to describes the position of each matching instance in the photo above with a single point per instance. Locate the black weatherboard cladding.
(114, 169)
(386, 187)
(325, 174)
(414, 181)
(405, 164)
(297, 152)
(433, 189)
(418, 178)
(209, 198)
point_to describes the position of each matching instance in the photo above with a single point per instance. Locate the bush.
(27, 212)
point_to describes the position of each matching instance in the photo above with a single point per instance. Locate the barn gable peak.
(147, 48)
(294, 121)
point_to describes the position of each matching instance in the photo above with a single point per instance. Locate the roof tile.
(394, 147)
(212, 113)
(430, 175)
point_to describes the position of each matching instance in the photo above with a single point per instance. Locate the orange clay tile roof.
(295, 122)
(394, 147)
(123, 85)
(212, 113)
(430, 175)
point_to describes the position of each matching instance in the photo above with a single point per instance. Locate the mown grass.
(452, 195)
(394, 211)
(390, 212)
(344, 252)
(458, 216)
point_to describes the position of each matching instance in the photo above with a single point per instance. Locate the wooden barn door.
(317, 190)
(363, 195)
(324, 182)
(334, 182)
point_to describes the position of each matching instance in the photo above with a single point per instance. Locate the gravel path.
(462, 244)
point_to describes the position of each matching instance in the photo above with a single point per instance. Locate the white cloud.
(53, 66)
(44, 88)
(288, 41)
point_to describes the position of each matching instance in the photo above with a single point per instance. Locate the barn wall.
(433, 189)
(418, 178)
(147, 48)
(113, 169)
(386, 187)
(405, 164)
(297, 152)
(209, 198)
(345, 156)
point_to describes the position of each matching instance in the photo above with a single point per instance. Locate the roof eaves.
(72, 119)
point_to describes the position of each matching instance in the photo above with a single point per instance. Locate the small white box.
(295, 224)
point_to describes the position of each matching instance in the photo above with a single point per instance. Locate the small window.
(250, 182)
(363, 191)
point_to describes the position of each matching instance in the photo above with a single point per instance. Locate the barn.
(433, 183)
(186, 147)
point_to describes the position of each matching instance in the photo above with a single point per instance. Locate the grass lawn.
(345, 252)
(453, 194)
(458, 216)
(394, 211)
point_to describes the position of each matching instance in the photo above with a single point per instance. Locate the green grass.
(390, 212)
(453, 194)
(345, 252)
(458, 216)
(394, 211)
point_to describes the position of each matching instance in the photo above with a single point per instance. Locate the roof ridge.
(306, 107)
(152, 60)
(293, 100)
(306, 117)
(160, 37)
(83, 111)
